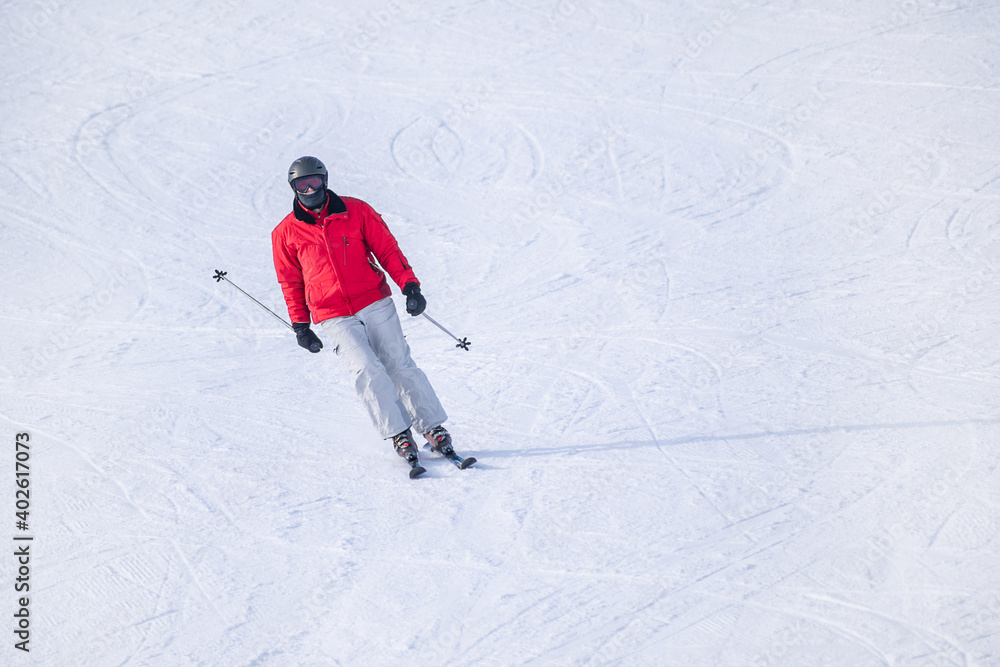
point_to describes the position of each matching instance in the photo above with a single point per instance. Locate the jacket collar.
(333, 206)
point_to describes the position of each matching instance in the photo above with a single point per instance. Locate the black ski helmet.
(308, 166)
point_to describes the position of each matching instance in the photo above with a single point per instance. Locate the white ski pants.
(395, 392)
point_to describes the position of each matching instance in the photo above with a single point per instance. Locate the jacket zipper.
(336, 269)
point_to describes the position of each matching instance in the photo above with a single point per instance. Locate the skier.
(324, 256)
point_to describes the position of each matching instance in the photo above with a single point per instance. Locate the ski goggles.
(307, 183)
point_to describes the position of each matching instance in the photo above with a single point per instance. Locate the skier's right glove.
(306, 337)
(415, 301)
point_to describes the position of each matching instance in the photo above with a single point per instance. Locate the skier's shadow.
(601, 448)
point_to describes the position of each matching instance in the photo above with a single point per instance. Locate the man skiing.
(325, 254)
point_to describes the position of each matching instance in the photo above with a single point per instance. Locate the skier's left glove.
(306, 337)
(415, 301)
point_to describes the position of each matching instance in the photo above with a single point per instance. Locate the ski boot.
(405, 446)
(440, 441)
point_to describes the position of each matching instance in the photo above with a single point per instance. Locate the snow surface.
(729, 268)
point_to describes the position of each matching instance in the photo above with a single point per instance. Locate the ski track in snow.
(727, 268)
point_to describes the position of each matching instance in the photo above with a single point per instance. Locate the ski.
(460, 463)
(416, 470)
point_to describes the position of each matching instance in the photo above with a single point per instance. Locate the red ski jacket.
(326, 263)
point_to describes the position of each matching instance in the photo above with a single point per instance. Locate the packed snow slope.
(729, 269)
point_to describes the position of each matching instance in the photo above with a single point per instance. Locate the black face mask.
(312, 200)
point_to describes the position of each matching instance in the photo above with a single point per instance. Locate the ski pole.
(464, 343)
(221, 275)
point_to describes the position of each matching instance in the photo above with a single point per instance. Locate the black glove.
(415, 301)
(306, 337)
